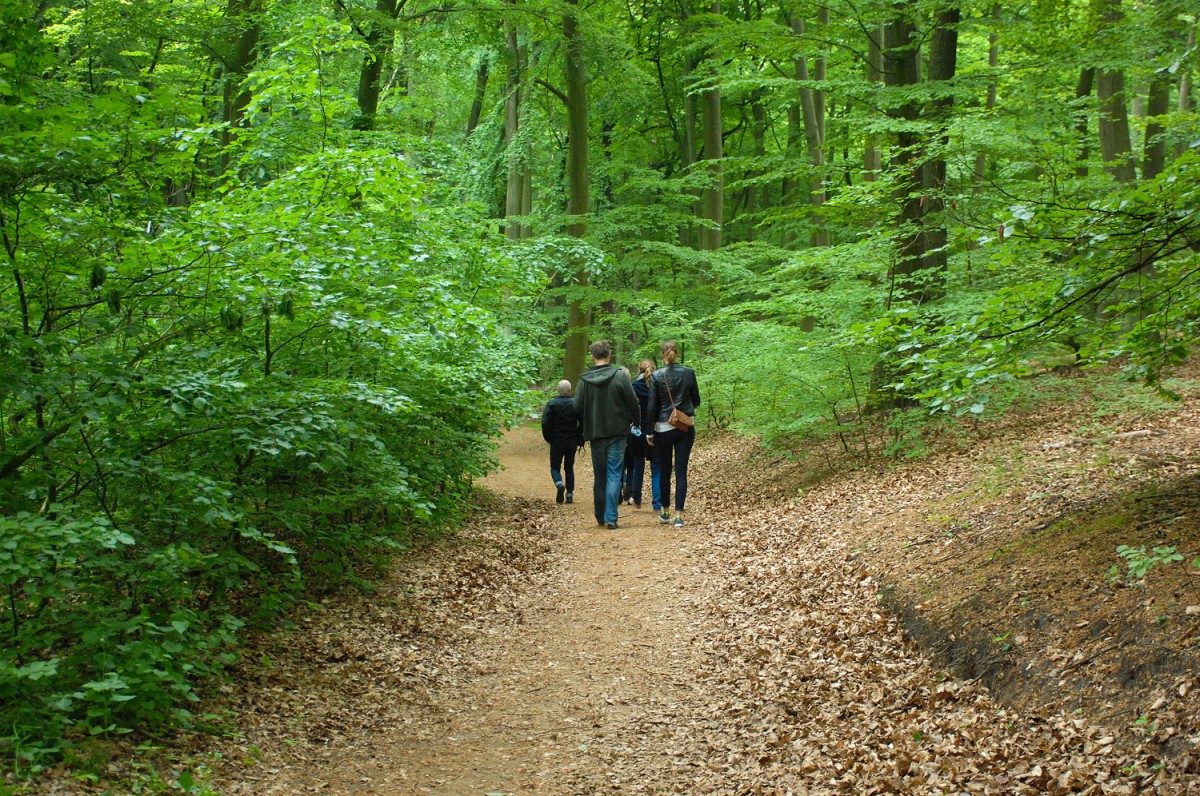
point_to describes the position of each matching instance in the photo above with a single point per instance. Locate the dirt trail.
(538, 695)
(747, 653)
(597, 646)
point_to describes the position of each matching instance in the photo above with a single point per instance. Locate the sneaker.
(678, 521)
(612, 526)
(570, 497)
(558, 498)
(664, 517)
(637, 504)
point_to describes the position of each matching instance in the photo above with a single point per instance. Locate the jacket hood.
(599, 375)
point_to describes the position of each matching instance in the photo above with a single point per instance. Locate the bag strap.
(667, 381)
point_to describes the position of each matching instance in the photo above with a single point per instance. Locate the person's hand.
(650, 440)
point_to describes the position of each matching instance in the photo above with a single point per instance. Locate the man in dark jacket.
(607, 408)
(560, 427)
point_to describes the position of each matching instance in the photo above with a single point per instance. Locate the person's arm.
(695, 391)
(632, 405)
(651, 412)
(546, 423)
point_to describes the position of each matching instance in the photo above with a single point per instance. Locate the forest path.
(747, 653)
(531, 684)
(600, 641)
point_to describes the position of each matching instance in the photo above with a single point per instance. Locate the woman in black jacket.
(673, 386)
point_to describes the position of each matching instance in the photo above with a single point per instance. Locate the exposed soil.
(944, 626)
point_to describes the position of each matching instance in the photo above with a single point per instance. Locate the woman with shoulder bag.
(670, 427)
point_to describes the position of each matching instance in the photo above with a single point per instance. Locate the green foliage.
(1140, 560)
(215, 406)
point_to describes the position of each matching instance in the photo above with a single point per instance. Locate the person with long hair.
(638, 451)
(673, 388)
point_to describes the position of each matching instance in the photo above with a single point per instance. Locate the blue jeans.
(674, 445)
(635, 476)
(608, 459)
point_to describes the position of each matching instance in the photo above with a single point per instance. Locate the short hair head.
(669, 351)
(600, 349)
(564, 387)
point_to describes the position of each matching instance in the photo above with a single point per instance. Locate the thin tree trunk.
(812, 109)
(872, 156)
(245, 30)
(578, 198)
(1154, 149)
(981, 160)
(714, 153)
(1185, 103)
(379, 45)
(943, 61)
(518, 183)
(1083, 90)
(481, 82)
(902, 68)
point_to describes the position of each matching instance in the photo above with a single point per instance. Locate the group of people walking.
(628, 422)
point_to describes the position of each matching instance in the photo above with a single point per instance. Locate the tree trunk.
(578, 199)
(518, 193)
(1185, 104)
(1115, 146)
(481, 82)
(981, 161)
(379, 41)
(872, 157)
(714, 192)
(245, 28)
(812, 110)
(1154, 149)
(943, 61)
(902, 68)
(1083, 90)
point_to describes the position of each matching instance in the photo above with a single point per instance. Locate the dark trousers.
(562, 457)
(674, 447)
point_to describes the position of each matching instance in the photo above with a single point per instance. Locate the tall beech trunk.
(688, 147)
(1083, 90)
(812, 112)
(481, 83)
(1154, 148)
(380, 37)
(981, 160)
(902, 68)
(518, 196)
(245, 29)
(872, 156)
(1115, 146)
(757, 198)
(714, 144)
(943, 61)
(1185, 103)
(578, 198)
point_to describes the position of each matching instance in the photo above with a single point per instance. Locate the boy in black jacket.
(561, 428)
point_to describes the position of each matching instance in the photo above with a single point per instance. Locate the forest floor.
(947, 625)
